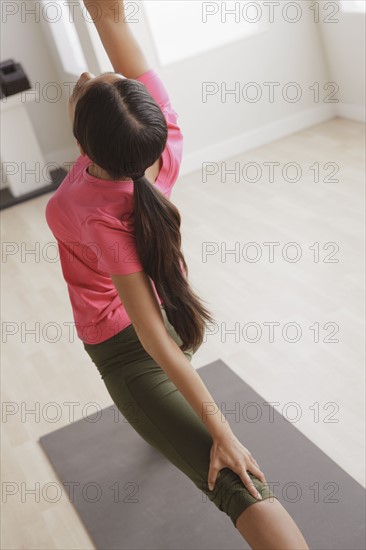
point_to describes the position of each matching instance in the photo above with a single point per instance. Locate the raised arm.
(122, 48)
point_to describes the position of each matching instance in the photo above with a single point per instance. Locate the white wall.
(220, 129)
(344, 45)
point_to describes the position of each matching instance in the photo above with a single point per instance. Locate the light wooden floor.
(324, 379)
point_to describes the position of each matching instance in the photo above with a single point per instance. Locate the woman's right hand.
(228, 452)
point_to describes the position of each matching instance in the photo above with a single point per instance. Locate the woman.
(135, 312)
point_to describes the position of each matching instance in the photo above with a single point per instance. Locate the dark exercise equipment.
(13, 79)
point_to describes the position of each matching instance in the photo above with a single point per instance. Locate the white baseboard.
(256, 138)
(352, 112)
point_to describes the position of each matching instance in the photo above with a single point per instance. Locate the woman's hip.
(124, 351)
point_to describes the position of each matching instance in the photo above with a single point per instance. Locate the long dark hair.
(123, 130)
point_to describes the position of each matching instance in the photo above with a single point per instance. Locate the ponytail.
(158, 244)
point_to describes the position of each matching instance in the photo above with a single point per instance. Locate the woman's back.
(92, 220)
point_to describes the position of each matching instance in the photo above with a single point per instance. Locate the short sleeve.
(157, 89)
(173, 153)
(110, 246)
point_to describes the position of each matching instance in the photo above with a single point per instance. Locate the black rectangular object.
(13, 79)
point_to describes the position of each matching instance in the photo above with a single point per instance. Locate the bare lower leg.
(267, 525)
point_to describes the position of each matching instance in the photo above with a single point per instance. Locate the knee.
(231, 495)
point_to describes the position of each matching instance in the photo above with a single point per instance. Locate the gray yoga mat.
(131, 497)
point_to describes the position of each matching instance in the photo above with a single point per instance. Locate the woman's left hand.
(228, 452)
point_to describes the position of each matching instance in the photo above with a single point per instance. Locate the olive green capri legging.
(158, 411)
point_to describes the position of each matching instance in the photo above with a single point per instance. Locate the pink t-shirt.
(92, 222)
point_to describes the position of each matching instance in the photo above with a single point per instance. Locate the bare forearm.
(100, 9)
(172, 360)
(122, 48)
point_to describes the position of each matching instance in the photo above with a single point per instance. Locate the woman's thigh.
(155, 408)
(158, 411)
